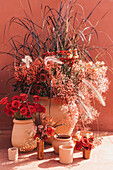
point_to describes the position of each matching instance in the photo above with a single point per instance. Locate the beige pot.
(61, 139)
(59, 116)
(66, 154)
(21, 135)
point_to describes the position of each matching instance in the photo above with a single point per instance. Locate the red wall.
(13, 8)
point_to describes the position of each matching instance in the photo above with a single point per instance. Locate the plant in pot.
(86, 144)
(57, 63)
(23, 113)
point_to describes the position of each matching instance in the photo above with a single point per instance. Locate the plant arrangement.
(45, 130)
(21, 109)
(86, 141)
(57, 63)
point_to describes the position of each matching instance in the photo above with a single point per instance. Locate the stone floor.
(101, 157)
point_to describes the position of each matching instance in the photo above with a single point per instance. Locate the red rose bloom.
(9, 105)
(36, 98)
(15, 97)
(23, 111)
(28, 115)
(42, 109)
(10, 113)
(14, 110)
(78, 145)
(16, 103)
(4, 101)
(50, 131)
(23, 97)
(32, 109)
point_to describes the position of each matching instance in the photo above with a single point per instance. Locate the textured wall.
(13, 8)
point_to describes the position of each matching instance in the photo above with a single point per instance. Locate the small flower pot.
(66, 154)
(86, 153)
(61, 139)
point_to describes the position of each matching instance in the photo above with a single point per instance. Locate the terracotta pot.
(86, 153)
(61, 139)
(21, 133)
(40, 149)
(59, 116)
(66, 154)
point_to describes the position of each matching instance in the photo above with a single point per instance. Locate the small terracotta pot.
(61, 139)
(86, 153)
(66, 154)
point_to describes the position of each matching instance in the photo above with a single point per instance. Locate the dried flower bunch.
(57, 63)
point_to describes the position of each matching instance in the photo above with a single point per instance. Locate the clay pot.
(21, 133)
(86, 153)
(59, 116)
(66, 154)
(61, 139)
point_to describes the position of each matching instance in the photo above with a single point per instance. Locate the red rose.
(4, 101)
(78, 145)
(23, 97)
(14, 110)
(36, 98)
(23, 111)
(15, 97)
(42, 109)
(16, 103)
(32, 109)
(50, 131)
(37, 106)
(28, 115)
(10, 113)
(9, 105)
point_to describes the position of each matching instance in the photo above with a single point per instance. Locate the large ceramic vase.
(58, 116)
(21, 135)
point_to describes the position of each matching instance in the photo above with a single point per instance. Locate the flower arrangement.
(19, 108)
(84, 143)
(45, 130)
(86, 140)
(58, 64)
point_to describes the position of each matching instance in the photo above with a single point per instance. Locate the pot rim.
(66, 147)
(22, 121)
(56, 137)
